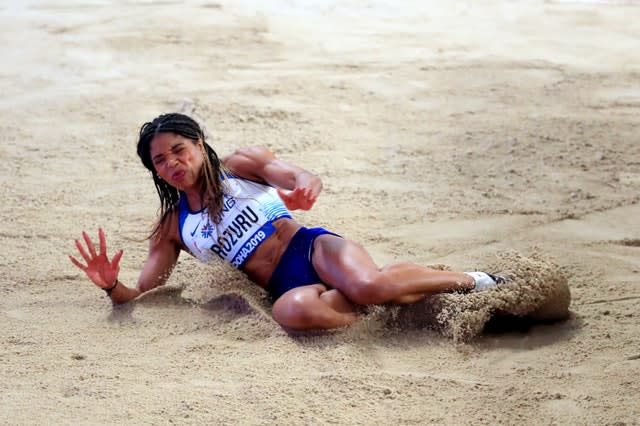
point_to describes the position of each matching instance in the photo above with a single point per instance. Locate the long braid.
(211, 188)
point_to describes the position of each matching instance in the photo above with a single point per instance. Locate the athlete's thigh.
(340, 262)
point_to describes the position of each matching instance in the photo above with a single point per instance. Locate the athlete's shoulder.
(168, 232)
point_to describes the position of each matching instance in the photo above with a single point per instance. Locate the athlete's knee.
(295, 310)
(291, 314)
(370, 289)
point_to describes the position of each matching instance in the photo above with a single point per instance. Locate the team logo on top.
(207, 230)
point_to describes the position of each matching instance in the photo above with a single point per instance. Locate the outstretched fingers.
(82, 251)
(89, 254)
(90, 246)
(97, 266)
(78, 263)
(115, 262)
(103, 242)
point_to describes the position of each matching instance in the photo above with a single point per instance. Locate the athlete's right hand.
(99, 269)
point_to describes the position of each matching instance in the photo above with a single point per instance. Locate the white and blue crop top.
(245, 222)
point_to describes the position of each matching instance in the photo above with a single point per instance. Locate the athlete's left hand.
(298, 199)
(305, 193)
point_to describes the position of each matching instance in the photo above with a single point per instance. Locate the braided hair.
(210, 180)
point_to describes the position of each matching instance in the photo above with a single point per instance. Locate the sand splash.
(537, 289)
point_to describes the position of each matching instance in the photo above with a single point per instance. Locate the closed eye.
(160, 158)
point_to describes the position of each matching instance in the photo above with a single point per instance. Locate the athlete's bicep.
(261, 165)
(249, 163)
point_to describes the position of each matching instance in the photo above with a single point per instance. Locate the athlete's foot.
(485, 281)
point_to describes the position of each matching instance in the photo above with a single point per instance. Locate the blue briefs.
(295, 268)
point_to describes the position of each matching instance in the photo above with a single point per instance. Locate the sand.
(502, 135)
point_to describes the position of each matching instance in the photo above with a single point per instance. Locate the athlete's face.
(177, 160)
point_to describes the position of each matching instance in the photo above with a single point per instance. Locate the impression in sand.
(238, 209)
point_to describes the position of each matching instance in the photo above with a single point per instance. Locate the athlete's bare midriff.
(260, 266)
(263, 261)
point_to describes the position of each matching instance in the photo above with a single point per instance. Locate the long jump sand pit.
(537, 291)
(445, 133)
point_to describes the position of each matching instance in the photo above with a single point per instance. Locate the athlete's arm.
(298, 188)
(164, 250)
(163, 254)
